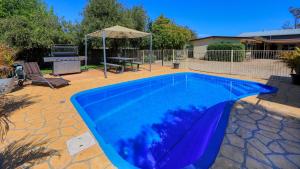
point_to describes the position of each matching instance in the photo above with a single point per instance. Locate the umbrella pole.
(104, 54)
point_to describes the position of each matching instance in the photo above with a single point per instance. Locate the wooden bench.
(137, 65)
(119, 68)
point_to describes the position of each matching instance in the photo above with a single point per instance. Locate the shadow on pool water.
(182, 137)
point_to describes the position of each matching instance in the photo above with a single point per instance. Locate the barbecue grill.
(65, 59)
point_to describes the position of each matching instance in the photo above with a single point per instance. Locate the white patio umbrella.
(117, 32)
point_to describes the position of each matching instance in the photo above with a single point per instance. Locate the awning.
(119, 32)
(274, 41)
(283, 41)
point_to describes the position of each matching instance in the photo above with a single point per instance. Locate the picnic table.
(123, 61)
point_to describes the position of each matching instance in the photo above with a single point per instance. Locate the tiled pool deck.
(260, 134)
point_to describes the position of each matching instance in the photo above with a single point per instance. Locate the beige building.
(286, 39)
(200, 45)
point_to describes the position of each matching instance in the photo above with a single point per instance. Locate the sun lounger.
(33, 73)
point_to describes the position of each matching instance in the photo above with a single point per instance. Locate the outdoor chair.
(34, 74)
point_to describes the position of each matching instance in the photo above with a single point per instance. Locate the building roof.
(271, 33)
(218, 37)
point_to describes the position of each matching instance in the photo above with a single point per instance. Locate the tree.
(16, 7)
(71, 32)
(139, 18)
(28, 24)
(296, 15)
(100, 14)
(168, 35)
(194, 34)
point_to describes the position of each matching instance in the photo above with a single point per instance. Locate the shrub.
(147, 59)
(7, 55)
(222, 52)
(7, 58)
(292, 59)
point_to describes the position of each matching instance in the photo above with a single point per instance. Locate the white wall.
(200, 48)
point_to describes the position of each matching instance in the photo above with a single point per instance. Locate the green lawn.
(92, 67)
(89, 67)
(46, 71)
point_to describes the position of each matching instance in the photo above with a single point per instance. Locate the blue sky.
(209, 17)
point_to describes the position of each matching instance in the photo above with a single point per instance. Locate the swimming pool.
(164, 122)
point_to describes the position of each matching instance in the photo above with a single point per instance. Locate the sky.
(207, 18)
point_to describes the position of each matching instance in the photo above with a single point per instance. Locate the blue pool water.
(163, 122)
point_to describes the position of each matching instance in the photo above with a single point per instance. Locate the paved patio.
(256, 138)
(261, 132)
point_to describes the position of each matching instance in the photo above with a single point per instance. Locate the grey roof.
(272, 33)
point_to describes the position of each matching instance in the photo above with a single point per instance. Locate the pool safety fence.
(252, 63)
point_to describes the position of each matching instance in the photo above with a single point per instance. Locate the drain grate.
(80, 143)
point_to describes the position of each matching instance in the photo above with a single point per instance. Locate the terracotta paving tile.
(61, 161)
(41, 166)
(90, 153)
(79, 165)
(100, 162)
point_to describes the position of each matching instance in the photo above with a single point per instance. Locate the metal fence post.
(85, 52)
(143, 57)
(231, 61)
(162, 58)
(173, 56)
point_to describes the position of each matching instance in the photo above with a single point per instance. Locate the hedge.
(222, 52)
(147, 59)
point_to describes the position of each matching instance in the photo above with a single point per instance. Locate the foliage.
(168, 35)
(7, 58)
(71, 33)
(139, 18)
(95, 19)
(112, 13)
(4, 119)
(7, 55)
(292, 59)
(296, 15)
(8, 104)
(148, 57)
(22, 152)
(25, 153)
(226, 46)
(225, 52)
(88, 67)
(29, 24)
(17, 7)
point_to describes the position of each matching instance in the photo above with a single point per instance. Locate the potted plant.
(176, 64)
(7, 57)
(292, 59)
